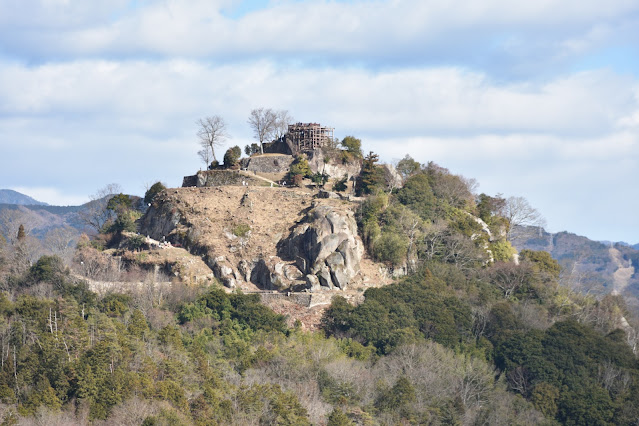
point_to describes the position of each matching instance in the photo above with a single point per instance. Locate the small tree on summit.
(154, 190)
(212, 134)
(353, 146)
(268, 124)
(518, 212)
(263, 123)
(232, 156)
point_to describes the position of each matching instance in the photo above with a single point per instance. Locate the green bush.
(232, 156)
(340, 185)
(241, 230)
(353, 146)
(299, 167)
(153, 191)
(390, 248)
(502, 251)
(542, 262)
(48, 268)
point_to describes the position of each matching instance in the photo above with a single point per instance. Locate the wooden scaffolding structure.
(307, 136)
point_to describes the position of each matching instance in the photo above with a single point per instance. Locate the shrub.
(300, 167)
(390, 248)
(319, 178)
(153, 191)
(241, 230)
(232, 156)
(340, 185)
(353, 146)
(502, 251)
(297, 180)
(251, 149)
(49, 269)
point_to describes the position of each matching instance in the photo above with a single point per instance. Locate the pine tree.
(21, 234)
(371, 176)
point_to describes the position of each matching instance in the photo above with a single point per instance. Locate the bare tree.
(12, 219)
(26, 251)
(264, 123)
(205, 155)
(509, 277)
(212, 134)
(61, 242)
(519, 213)
(281, 125)
(95, 214)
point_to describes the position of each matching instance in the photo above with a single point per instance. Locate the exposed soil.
(248, 222)
(624, 271)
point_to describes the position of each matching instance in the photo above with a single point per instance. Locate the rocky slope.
(262, 238)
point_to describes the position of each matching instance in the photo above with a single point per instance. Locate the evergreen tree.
(153, 191)
(372, 177)
(338, 418)
(21, 234)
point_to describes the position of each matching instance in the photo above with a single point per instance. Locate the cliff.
(262, 238)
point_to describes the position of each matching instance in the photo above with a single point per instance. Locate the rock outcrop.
(326, 248)
(290, 242)
(321, 161)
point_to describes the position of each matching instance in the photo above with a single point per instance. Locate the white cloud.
(561, 143)
(388, 32)
(147, 96)
(103, 91)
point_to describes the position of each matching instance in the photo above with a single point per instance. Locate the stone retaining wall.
(221, 178)
(272, 163)
(307, 300)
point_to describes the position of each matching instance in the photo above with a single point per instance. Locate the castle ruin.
(309, 136)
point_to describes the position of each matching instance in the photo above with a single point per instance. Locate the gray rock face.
(392, 178)
(335, 169)
(224, 271)
(158, 222)
(323, 251)
(327, 247)
(270, 274)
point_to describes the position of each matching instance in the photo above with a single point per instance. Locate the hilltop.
(194, 305)
(8, 196)
(256, 238)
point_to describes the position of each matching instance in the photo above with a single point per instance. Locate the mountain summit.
(9, 196)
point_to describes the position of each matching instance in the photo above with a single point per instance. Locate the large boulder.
(327, 246)
(323, 161)
(160, 220)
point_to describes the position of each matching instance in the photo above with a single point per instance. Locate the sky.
(532, 99)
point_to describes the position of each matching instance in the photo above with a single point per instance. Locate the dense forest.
(467, 336)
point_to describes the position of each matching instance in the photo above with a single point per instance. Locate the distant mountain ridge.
(598, 267)
(9, 196)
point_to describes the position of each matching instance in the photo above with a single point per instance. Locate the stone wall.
(270, 163)
(220, 178)
(308, 300)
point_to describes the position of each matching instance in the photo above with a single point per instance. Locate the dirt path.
(256, 176)
(624, 271)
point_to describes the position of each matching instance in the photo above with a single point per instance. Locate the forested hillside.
(588, 266)
(469, 334)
